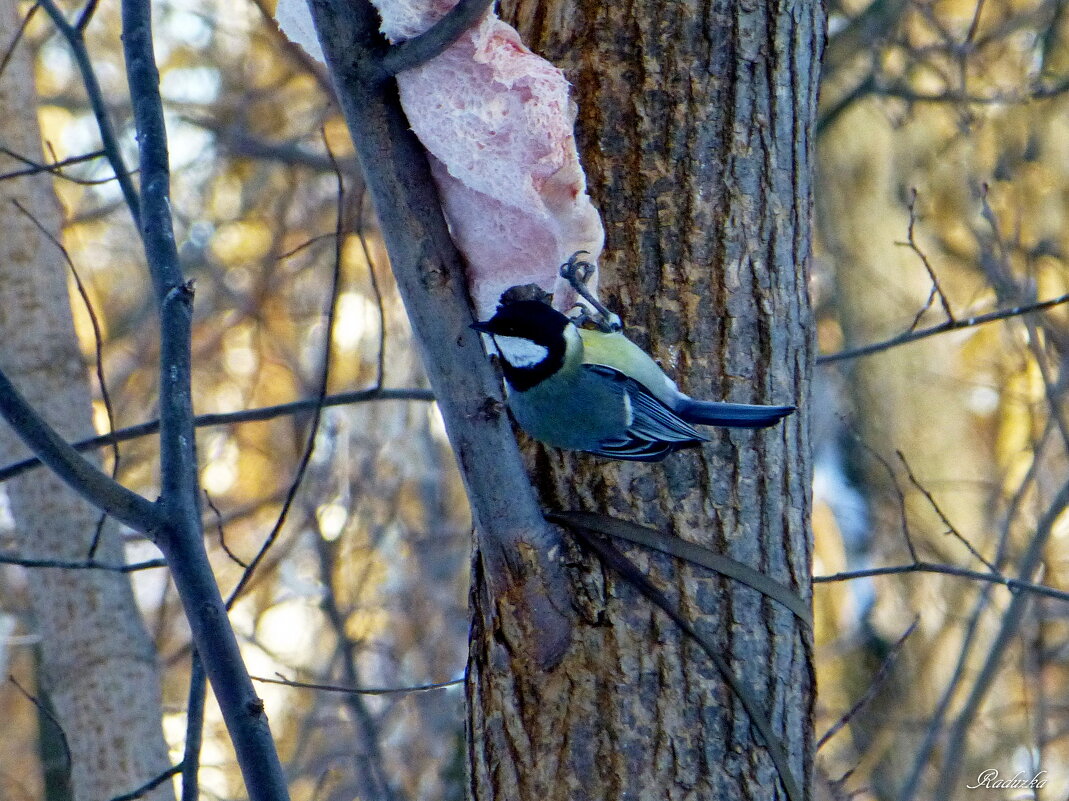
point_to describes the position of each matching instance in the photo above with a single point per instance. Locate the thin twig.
(377, 779)
(380, 372)
(306, 244)
(1015, 585)
(257, 415)
(334, 688)
(1029, 563)
(17, 37)
(150, 785)
(874, 686)
(973, 27)
(970, 641)
(86, 564)
(44, 710)
(950, 527)
(76, 41)
(898, 493)
(942, 328)
(55, 168)
(98, 350)
(911, 243)
(222, 534)
(1034, 345)
(86, 16)
(324, 382)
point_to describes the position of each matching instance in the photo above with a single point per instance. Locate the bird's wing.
(653, 431)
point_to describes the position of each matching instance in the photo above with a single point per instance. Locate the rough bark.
(695, 125)
(99, 665)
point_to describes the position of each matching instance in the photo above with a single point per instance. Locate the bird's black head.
(530, 336)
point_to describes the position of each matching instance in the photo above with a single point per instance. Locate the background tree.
(98, 668)
(366, 580)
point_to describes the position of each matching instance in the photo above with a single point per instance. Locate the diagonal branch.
(874, 686)
(516, 545)
(181, 540)
(84, 478)
(432, 42)
(324, 383)
(612, 557)
(76, 42)
(941, 328)
(1012, 617)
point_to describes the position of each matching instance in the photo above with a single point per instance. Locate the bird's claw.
(577, 272)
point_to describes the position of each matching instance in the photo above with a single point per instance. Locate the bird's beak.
(482, 328)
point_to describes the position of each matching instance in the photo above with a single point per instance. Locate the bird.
(597, 391)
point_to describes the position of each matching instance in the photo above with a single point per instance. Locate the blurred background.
(943, 188)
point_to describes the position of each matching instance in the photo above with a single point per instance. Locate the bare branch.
(612, 557)
(76, 41)
(970, 640)
(198, 689)
(911, 243)
(182, 539)
(55, 168)
(6, 58)
(324, 382)
(334, 688)
(87, 564)
(874, 686)
(43, 708)
(1013, 584)
(514, 539)
(950, 527)
(232, 418)
(690, 552)
(1003, 283)
(150, 785)
(433, 41)
(942, 328)
(377, 780)
(1029, 563)
(84, 478)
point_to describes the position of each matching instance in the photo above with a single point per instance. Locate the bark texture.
(99, 665)
(695, 127)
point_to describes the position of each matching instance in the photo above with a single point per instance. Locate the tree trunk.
(695, 125)
(99, 665)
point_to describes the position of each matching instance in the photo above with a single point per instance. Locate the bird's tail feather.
(734, 415)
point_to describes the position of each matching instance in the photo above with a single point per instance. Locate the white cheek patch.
(520, 352)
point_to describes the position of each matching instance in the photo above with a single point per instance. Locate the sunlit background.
(943, 150)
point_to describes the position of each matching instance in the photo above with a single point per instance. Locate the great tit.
(599, 392)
